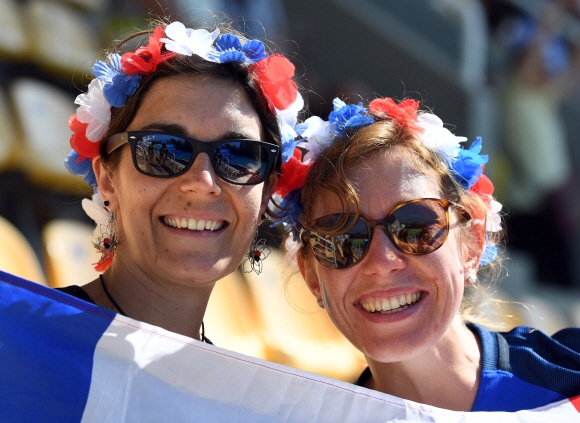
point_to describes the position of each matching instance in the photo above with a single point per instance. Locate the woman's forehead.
(383, 179)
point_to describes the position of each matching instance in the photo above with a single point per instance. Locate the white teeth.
(194, 225)
(391, 305)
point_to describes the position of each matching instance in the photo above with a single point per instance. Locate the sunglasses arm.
(116, 141)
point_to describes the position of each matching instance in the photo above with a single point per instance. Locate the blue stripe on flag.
(47, 342)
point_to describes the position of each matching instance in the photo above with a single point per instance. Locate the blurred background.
(505, 70)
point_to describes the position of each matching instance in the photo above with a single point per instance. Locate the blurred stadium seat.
(62, 38)
(69, 253)
(230, 320)
(17, 256)
(13, 39)
(297, 331)
(42, 112)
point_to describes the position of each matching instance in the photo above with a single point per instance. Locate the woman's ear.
(471, 256)
(309, 275)
(105, 184)
(268, 190)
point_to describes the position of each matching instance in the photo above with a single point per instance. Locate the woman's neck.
(177, 308)
(447, 376)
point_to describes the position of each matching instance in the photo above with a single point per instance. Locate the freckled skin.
(384, 267)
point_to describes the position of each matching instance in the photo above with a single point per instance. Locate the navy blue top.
(523, 369)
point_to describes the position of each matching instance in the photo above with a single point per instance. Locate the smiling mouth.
(390, 304)
(195, 225)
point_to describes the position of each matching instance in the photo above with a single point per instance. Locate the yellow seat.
(42, 111)
(69, 253)
(297, 331)
(62, 39)
(17, 256)
(230, 320)
(13, 40)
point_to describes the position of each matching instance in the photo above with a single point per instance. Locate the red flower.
(274, 76)
(293, 174)
(404, 113)
(145, 59)
(79, 141)
(484, 188)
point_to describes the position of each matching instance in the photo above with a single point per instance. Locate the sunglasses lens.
(242, 162)
(162, 154)
(340, 251)
(419, 227)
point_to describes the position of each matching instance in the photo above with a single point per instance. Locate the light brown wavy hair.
(328, 174)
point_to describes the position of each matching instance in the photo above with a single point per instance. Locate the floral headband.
(315, 134)
(119, 77)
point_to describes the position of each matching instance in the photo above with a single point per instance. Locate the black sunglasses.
(417, 227)
(164, 155)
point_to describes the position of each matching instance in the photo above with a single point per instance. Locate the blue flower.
(489, 255)
(292, 206)
(343, 113)
(118, 85)
(467, 167)
(83, 168)
(288, 146)
(231, 49)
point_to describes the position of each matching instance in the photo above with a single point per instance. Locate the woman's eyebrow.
(172, 128)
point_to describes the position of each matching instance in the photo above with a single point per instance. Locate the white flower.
(493, 223)
(318, 137)
(189, 41)
(94, 110)
(289, 116)
(95, 209)
(438, 138)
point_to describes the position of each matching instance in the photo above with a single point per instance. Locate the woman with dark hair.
(180, 138)
(394, 226)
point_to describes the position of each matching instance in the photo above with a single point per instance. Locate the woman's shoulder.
(76, 291)
(526, 368)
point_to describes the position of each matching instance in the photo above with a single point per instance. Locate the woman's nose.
(382, 257)
(200, 177)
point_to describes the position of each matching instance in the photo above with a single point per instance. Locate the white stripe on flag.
(143, 373)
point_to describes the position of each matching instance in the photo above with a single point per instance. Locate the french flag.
(64, 360)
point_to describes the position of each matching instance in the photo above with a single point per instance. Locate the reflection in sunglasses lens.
(162, 155)
(240, 161)
(235, 161)
(417, 228)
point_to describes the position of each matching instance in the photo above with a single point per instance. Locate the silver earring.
(320, 304)
(256, 254)
(471, 279)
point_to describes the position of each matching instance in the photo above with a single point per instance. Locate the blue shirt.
(523, 369)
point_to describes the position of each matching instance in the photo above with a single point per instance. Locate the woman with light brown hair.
(393, 225)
